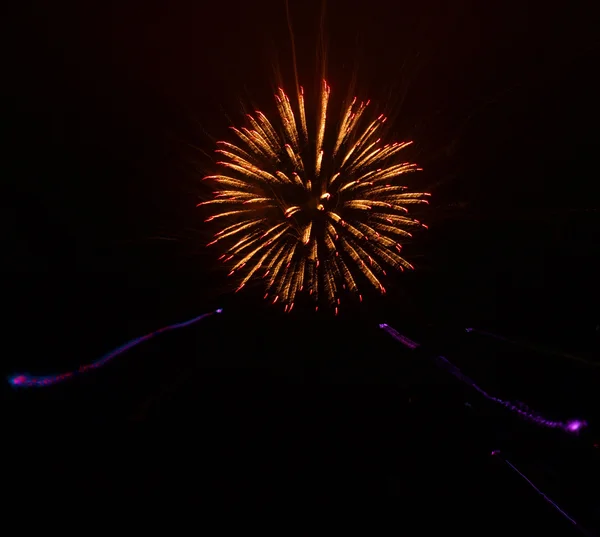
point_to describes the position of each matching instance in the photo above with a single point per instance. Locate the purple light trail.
(497, 453)
(399, 337)
(571, 426)
(536, 348)
(24, 380)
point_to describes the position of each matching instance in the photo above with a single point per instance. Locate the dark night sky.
(110, 112)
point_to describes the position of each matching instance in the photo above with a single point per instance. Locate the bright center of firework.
(319, 203)
(313, 214)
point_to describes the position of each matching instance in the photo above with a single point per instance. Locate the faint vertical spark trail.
(293, 41)
(23, 380)
(571, 426)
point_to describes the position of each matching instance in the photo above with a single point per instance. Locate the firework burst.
(316, 215)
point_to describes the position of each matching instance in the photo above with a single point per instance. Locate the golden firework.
(315, 215)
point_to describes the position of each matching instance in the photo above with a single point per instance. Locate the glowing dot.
(18, 380)
(575, 425)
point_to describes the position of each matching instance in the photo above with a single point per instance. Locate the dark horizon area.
(111, 112)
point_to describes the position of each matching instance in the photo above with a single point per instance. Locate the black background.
(110, 113)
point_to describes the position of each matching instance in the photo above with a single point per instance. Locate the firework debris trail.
(534, 347)
(571, 426)
(24, 380)
(498, 454)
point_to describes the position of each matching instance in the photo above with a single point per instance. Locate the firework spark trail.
(571, 426)
(23, 380)
(399, 337)
(537, 348)
(497, 453)
(312, 215)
